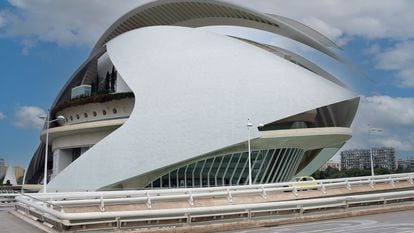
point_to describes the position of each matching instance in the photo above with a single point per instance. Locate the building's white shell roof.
(190, 87)
(198, 13)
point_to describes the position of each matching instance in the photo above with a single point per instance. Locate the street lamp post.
(59, 118)
(249, 125)
(370, 130)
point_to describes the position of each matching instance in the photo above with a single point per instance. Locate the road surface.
(11, 224)
(395, 222)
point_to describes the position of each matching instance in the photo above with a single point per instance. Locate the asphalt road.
(395, 222)
(12, 224)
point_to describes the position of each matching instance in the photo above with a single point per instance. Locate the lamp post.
(249, 125)
(59, 118)
(370, 130)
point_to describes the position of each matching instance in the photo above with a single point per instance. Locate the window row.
(267, 166)
(94, 114)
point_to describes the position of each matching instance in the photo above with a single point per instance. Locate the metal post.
(372, 162)
(46, 152)
(371, 149)
(48, 121)
(249, 125)
(24, 178)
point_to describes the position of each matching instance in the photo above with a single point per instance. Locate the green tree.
(113, 79)
(333, 173)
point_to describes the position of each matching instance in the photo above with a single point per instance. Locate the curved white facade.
(194, 91)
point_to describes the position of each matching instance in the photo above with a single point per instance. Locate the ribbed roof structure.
(198, 13)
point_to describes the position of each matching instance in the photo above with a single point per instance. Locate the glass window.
(214, 168)
(189, 175)
(242, 170)
(104, 112)
(196, 173)
(222, 169)
(94, 114)
(274, 164)
(114, 110)
(156, 183)
(165, 181)
(205, 171)
(76, 153)
(181, 176)
(173, 179)
(253, 157)
(278, 172)
(265, 166)
(230, 168)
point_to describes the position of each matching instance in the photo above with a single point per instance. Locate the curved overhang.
(297, 59)
(306, 132)
(307, 30)
(306, 139)
(198, 13)
(82, 128)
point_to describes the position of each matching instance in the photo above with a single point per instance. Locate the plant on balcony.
(96, 98)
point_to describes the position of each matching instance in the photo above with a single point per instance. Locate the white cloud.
(333, 33)
(399, 58)
(66, 23)
(27, 45)
(27, 117)
(2, 19)
(395, 116)
(396, 57)
(79, 22)
(372, 50)
(369, 19)
(2, 116)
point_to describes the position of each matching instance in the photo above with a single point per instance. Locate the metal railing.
(151, 196)
(51, 207)
(8, 197)
(8, 194)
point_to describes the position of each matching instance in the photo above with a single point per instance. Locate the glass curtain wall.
(268, 166)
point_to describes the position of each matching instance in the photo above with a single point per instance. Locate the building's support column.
(61, 159)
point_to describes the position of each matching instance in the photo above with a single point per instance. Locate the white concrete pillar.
(61, 159)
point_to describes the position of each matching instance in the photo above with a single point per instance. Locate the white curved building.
(170, 102)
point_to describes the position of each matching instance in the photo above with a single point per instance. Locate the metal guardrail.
(151, 196)
(8, 195)
(50, 207)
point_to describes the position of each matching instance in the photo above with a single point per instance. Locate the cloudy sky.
(43, 41)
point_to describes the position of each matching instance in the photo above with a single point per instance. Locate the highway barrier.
(161, 208)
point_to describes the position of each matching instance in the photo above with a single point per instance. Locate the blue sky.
(42, 42)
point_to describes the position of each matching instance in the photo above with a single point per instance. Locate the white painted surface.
(193, 94)
(103, 111)
(10, 176)
(61, 159)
